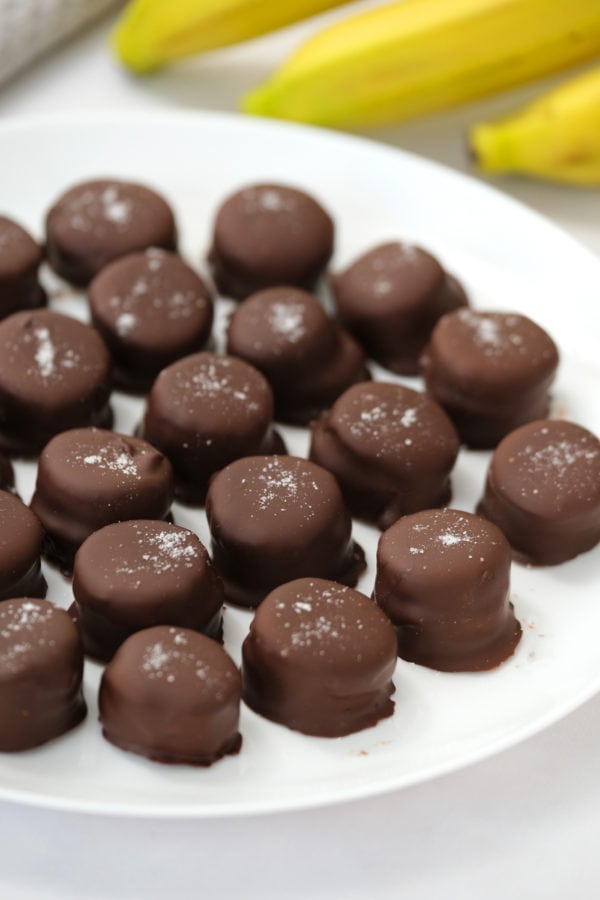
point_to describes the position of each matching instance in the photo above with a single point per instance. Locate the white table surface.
(524, 824)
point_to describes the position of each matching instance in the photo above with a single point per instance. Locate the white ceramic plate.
(509, 258)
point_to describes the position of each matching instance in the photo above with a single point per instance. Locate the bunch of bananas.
(407, 59)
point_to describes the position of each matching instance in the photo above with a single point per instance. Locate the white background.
(524, 824)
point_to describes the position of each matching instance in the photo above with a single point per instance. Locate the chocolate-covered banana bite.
(390, 298)
(137, 574)
(203, 412)
(98, 221)
(390, 448)
(543, 491)
(443, 579)
(266, 235)
(20, 260)
(172, 695)
(306, 357)
(21, 539)
(319, 658)
(54, 375)
(276, 518)
(490, 371)
(151, 309)
(41, 668)
(88, 478)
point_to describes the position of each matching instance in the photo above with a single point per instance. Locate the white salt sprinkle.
(45, 353)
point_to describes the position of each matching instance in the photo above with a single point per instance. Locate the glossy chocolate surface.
(277, 518)
(306, 357)
(54, 375)
(205, 411)
(319, 658)
(490, 371)
(21, 539)
(88, 478)
(41, 666)
(172, 695)
(390, 448)
(20, 259)
(443, 579)
(267, 235)
(137, 574)
(543, 491)
(98, 221)
(151, 309)
(390, 298)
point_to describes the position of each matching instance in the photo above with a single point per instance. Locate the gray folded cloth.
(30, 27)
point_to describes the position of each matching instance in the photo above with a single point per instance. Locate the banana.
(557, 137)
(152, 33)
(418, 56)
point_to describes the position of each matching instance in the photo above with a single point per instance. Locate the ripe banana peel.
(152, 33)
(415, 57)
(557, 137)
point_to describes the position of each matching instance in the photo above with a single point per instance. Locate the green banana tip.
(256, 101)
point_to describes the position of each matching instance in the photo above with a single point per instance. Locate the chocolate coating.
(306, 357)
(151, 309)
(319, 658)
(543, 491)
(205, 411)
(20, 259)
(391, 450)
(96, 222)
(443, 579)
(7, 475)
(136, 574)
(172, 695)
(490, 371)
(41, 667)
(54, 375)
(267, 235)
(21, 538)
(276, 518)
(88, 478)
(390, 298)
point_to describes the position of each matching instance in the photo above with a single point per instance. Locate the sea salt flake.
(125, 323)
(288, 319)
(409, 417)
(114, 209)
(450, 538)
(46, 352)
(156, 658)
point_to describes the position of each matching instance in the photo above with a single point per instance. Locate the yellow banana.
(414, 57)
(154, 32)
(557, 137)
